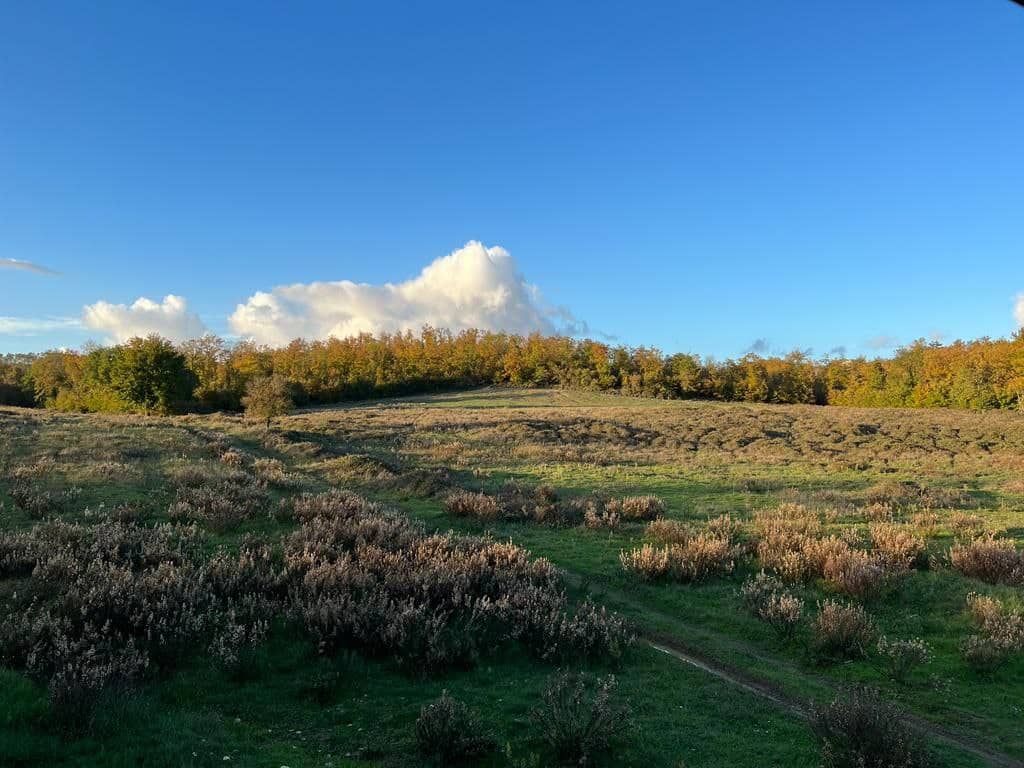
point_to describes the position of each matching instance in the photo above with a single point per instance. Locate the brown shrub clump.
(898, 546)
(469, 504)
(219, 502)
(842, 630)
(766, 598)
(1001, 635)
(374, 580)
(646, 507)
(669, 531)
(105, 602)
(697, 559)
(996, 561)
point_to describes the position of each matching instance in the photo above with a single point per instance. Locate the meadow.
(297, 596)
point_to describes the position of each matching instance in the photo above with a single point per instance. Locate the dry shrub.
(725, 527)
(926, 523)
(271, 472)
(1001, 635)
(107, 601)
(841, 630)
(579, 724)
(859, 729)
(669, 531)
(699, 558)
(892, 493)
(235, 458)
(766, 598)
(334, 503)
(897, 546)
(878, 512)
(372, 579)
(221, 503)
(447, 731)
(902, 656)
(469, 504)
(856, 574)
(996, 561)
(596, 520)
(648, 562)
(38, 503)
(636, 507)
(966, 525)
(702, 557)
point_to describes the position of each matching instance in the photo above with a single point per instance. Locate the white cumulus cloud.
(170, 319)
(1018, 310)
(473, 287)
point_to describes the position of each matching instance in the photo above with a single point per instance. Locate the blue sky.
(694, 175)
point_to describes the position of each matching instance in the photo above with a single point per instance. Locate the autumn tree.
(267, 397)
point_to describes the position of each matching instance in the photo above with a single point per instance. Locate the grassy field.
(842, 466)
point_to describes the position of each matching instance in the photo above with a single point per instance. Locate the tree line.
(152, 375)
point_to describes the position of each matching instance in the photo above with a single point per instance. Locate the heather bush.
(108, 601)
(902, 656)
(669, 531)
(897, 546)
(725, 527)
(766, 598)
(597, 520)
(966, 525)
(470, 504)
(579, 724)
(879, 512)
(1001, 635)
(271, 472)
(219, 502)
(699, 558)
(648, 562)
(370, 579)
(996, 561)
(926, 523)
(842, 630)
(855, 574)
(859, 729)
(449, 732)
(646, 507)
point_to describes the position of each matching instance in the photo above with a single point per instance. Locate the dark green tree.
(149, 374)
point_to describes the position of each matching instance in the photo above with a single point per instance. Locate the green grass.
(196, 716)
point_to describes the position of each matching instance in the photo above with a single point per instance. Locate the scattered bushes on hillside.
(108, 601)
(842, 630)
(767, 599)
(996, 561)
(860, 729)
(218, 501)
(448, 731)
(374, 580)
(542, 504)
(580, 724)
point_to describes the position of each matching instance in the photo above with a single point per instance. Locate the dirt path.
(769, 692)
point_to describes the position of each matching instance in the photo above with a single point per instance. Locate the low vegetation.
(421, 570)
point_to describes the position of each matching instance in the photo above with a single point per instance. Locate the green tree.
(267, 397)
(148, 374)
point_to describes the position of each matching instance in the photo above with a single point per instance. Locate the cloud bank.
(31, 326)
(1018, 310)
(473, 287)
(170, 319)
(27, 266)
